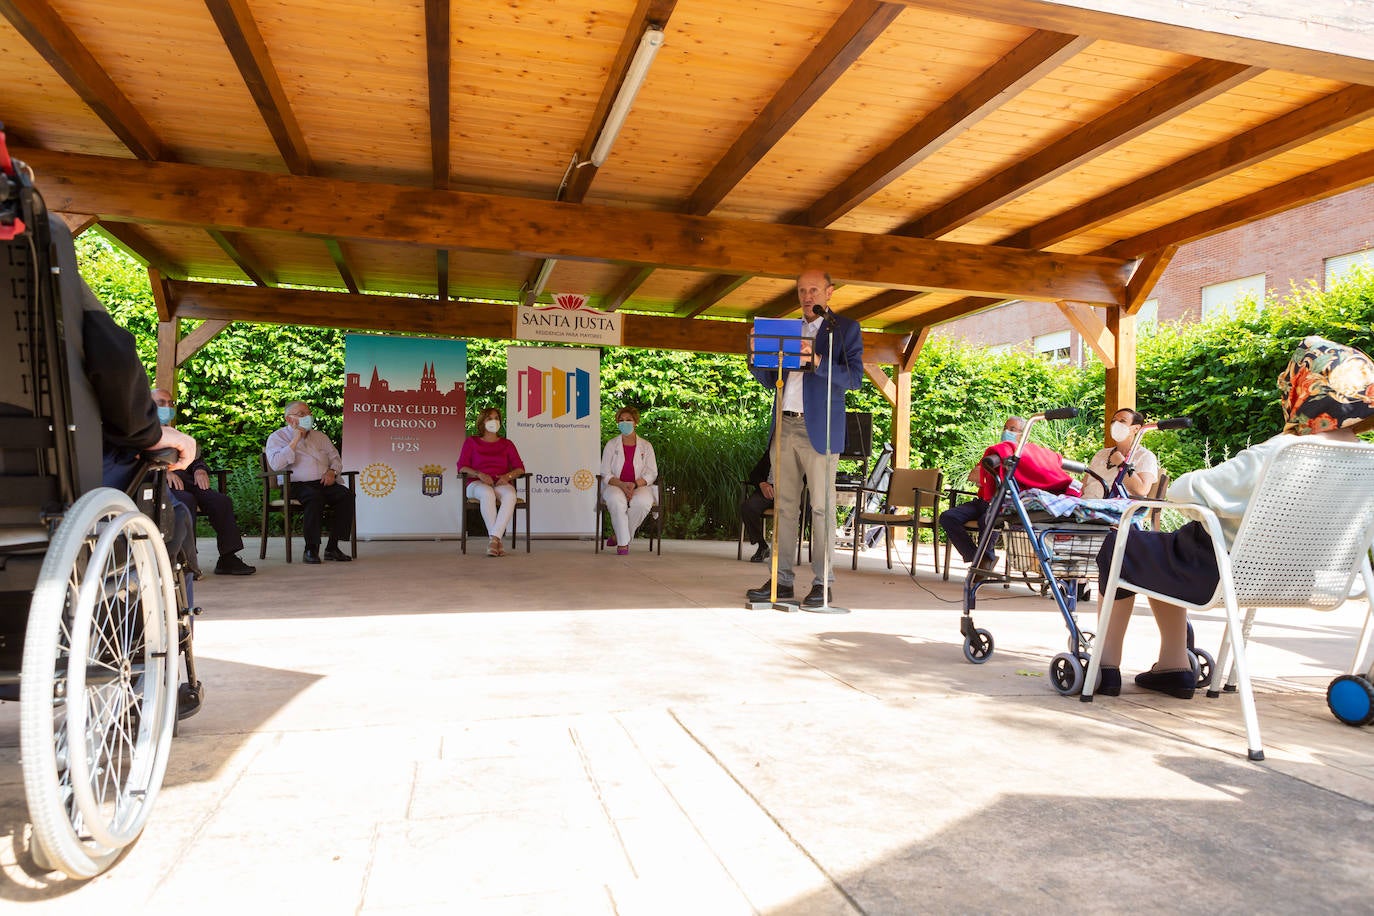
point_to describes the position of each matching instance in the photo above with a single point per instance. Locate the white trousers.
(497, 519)
(627, 514)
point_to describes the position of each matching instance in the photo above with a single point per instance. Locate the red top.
(1038, 467)
(494, 458)
(627, 473)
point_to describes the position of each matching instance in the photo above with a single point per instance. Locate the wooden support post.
(901, 420)
(166, 375)
(1120, 378)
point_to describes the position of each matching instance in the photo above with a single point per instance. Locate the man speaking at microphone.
(833, 362)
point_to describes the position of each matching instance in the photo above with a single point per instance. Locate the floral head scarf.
(1326, 386)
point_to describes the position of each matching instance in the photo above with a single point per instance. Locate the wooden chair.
(522, 504)
(1304, 537)
(912, 501)
(655, 522)
(276, 497)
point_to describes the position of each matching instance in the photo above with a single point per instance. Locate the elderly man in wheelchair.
(95, 616)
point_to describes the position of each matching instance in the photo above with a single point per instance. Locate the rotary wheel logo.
(584, 479)
(377, 480)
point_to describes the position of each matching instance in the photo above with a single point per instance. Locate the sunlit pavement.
(569, 732)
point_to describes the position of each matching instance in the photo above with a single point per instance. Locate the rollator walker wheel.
(978, 646)
(1350, 698)
(98, 695)
(1068, 673)
(1202, 663)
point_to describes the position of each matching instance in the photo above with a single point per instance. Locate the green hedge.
(707, 417)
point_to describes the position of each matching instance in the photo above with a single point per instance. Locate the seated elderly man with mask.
(191, 487)
(954, 520)
(314, 464)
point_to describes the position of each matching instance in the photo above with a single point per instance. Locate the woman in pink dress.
(490, 462)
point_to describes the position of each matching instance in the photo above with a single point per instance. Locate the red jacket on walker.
(1038, 468)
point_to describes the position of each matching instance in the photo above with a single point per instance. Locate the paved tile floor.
(565, 732)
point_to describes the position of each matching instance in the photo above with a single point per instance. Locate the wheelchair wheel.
(1350, 698)
(1067, 674)
(978, 646)
(98, 684)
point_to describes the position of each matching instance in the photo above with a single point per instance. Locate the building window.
(1147, 319)
(1054, 347)
(1337, 268)
(1224, 298)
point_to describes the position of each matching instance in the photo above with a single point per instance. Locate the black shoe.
(1180, 684)
(765, 592)
(761, 555)
(1108, 682)
(819, 596)
(334, 553)
(231, 565)
(311, 556)
(987, 566)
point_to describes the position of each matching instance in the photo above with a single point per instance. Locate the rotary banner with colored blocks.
(405, 405)
(553, 415)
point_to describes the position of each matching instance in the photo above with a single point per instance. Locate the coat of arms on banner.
(568, 320)
(432, 479)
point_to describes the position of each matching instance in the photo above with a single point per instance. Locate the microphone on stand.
(825, 312)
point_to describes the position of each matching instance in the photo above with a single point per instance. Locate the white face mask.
(306, 422)
(1120, 432)
(492, 426)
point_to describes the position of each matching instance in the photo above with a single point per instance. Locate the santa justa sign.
(568, 320)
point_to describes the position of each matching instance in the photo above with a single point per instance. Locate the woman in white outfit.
(628, 469)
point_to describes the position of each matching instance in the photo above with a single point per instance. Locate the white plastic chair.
(1303, 539)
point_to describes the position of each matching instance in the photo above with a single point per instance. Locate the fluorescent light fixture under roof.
(634, 79)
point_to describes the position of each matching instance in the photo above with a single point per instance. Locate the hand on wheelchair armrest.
(181, 445)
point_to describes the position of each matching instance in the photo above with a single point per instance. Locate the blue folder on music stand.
(773, 337)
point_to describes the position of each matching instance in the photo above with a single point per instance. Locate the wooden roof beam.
(1021, 67)
(336, 254)
(648, 13)
(441, 269)
(852, 34)
(136, 243)
(238, 254)
(44, 29)
(1192, 86)
(438, 51)
(1318, 185)
(320, 308)
(1311, 122)
(575, 186)
(1024, 65)
(249, 51)
(711, 292)
(1147, 274)
(1327, 38)
(232, 199)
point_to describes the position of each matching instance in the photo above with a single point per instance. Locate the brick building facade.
(1288, 249)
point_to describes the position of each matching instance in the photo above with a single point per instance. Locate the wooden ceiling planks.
(1068, 155)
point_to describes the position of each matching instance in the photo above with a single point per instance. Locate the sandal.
(494, 547)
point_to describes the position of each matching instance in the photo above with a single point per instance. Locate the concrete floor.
(566, 732)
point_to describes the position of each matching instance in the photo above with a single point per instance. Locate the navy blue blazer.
(847, 374)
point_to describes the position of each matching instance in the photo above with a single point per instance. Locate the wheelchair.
(95, 617)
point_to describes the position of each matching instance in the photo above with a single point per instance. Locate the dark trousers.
(751, 514)
(953, 521)
(219, 509)
(314, 496)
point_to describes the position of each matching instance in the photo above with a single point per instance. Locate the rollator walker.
(1060, 554)
(94, 615)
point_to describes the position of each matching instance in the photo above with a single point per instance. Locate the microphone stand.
(781, 355)
(829, 504)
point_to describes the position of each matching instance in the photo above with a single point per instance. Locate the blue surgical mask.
(165, 415)
(626, 427)
(1010, 435)
(306, 423)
